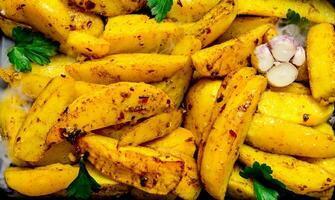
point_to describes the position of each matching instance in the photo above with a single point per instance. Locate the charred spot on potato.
(219, 99)
(121, 116)
(89, 5)
(232, 133)
(143, 99)
(143, 180)
(305, 117)
(71, 134)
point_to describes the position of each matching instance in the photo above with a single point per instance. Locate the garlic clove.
(282, 75)
(283, 48)
(299, 57)
(262, 58)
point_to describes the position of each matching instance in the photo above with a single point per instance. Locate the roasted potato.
(50, 104)
(140, 167)
(128, 67)
(227, 135)
(314, 10)
(296, 88)
(116, 104)
(200, 101)
(321, 38)
(229, 56)
(325, 128)
(239, 187)
(302, 178)
(283, 137)
(327, 164)
(302, 109)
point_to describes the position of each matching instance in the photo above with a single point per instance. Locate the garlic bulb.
(299, 57)
(283, 48)
(282, 75)
(264, 59)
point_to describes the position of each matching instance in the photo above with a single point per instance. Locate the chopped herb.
(293, 17)
(30, 47)
(160, 8)
(83, 186)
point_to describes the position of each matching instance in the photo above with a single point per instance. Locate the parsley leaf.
(265, 186)
(83, 186)
(293, 17)
(30, 47)
(160, 8)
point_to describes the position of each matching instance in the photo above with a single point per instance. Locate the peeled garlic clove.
(299, 57)
(282, 75)
(262, 58)
(283, 48)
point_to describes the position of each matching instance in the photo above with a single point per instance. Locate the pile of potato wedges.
(171, 109)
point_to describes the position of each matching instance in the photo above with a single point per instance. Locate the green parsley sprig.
(83, 186)
(30, 47)
(293, 17)
(160, 8)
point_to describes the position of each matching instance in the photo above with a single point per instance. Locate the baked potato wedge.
(325, 128)
(321, 38)
(140, 167)
(200, 102)
(302, 109)
(128, 67)
(50, 104)
(239, 187)
(303, 178)
(118, 103)
(314, 10)
(327, 164)
(140, 34)
(227, 135)
(283, 137)
(295, 88)
(221, 59)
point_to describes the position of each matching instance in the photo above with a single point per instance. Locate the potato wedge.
(56, 178)
(302, 109)
(118, 103)
(295, 88)
(229, 56)
(227, 135)
(152, 128)
(139, 167)
(314, 10)
(283, 137)
(321, 38)
(302, 178)
(244, 24)
(327, 164)
(200, 102)
(44, 113)
(214, 23)
(110, 8)
(239, 187)
(180, 141)
(140, 34)
(325, 128)
(195, 9)
(128, 67)
(7, 25)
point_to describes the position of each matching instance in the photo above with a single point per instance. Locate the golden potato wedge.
(214, 23)
(239, 187)
(140, 34)
(302, 178)
(152, 128)
(200, 102)
(229, 56)
(314, 10)
(244, 24)
(110, 8)
(227, 135)
(31, 139)
(325, 128)
(187, 46)
(283, 137)
(118, 103)
(139, 167)
(195, 9)
(128, 67)
(180, 141)
(321, 38)
(301, 109)
(296, 88)
(55, 178)
(56, 67)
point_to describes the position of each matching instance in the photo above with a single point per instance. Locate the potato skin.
(321, 38)
(302, 109)
(140, 167)
(200, 102)
(31, 139)
(128, 67)
(283, 137)
(303, 178)
(227, 135)
(314, 10)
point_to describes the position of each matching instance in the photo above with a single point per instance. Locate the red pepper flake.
(232, 133)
